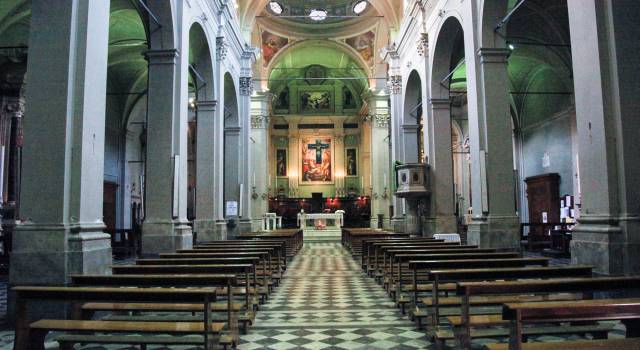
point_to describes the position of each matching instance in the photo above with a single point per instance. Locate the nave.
(326, 302)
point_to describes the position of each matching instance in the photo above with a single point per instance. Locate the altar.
(321, 226)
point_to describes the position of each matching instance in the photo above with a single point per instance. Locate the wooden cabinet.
(543, 195)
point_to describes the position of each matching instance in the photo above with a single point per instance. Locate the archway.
(446, 103)
(413, 120)
(201, 109)
(231, 151)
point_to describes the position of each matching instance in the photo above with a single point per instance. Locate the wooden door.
(109, 205)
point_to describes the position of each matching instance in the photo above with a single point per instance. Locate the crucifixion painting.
(316, 160)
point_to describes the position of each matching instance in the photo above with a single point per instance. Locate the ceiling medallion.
(318, 15)
(315, 74)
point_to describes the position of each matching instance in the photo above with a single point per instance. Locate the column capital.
(493, 54)
(221, 48)
(164, 56)
(246, 86)
(206, 106)
(440, 103)
(259, 121)
(395, 84)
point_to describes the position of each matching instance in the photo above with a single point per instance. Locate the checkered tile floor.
(326, 302)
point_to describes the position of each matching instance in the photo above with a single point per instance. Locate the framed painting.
(317, 160)
(351, 161)
(281, 162)
(316, 101)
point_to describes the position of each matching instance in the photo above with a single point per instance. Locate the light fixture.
(276, 7)
(360, 6)
(318, 15)
(511, 47)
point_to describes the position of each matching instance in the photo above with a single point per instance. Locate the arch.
(413, 98)
(493, 11)
(201, 63)
(163, 34)
(230, 112)
(449, 42)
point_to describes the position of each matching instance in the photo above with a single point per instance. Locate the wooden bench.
(31, 336)
(626, 310)
(232, 309)
(368, 244)
(437, 277)
(611, 344)
(519, 290)
(375, 251)
(246, 271)
(426, 266)
(266, 273)
(278, 249)
(292, 238)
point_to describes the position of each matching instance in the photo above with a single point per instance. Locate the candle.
(404, 207)
(254, 179)
(241, 191)
(269, 180)
(370, 180)
(384, 181)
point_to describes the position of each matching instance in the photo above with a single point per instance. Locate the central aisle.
(326, 302)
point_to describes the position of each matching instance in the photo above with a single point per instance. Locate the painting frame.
(351, 155)
(309, 100)
(281, 162)
(306, 153)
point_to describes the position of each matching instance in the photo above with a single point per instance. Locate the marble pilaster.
(165, 228)
(604, 48)
(60, 231)
(494, 223)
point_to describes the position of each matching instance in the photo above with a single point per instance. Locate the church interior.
(321, 174)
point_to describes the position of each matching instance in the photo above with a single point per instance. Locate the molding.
(221, 48)
(493, 55)
(162, 57)
(246, 86)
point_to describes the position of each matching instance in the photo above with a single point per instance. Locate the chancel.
(325, 174)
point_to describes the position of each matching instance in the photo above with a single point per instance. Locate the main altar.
(321, 226)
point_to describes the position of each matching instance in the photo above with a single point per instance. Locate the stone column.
(440, 216)
(60, 231)
(604, 48)
(494, 223)
(260, 158)
(244, 161)
(205, 223)
(163, 229)
(382, 173)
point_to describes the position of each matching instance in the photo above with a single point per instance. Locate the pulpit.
(412, 180)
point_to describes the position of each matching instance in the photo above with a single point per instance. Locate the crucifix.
(319, 147)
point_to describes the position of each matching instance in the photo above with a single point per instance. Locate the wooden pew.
(392, 257)
(626, 310)
(611, 344)
(292, 237)
(268, 271)
(352, 238)
(367, 245)
(427, 265)
(384, 252)
(279, 249)
(203, 280)
(374, 251)
(31, 336)
(462, 325)
(437, 277)
(246, 271)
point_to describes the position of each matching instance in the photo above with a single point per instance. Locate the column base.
(439, 224)
(398, 224)
(602, 243)
(47, 255)
(165, 237)
(500, 232)
(245, 226)
(210, 230)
